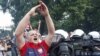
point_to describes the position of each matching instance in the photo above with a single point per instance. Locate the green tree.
(66, 14)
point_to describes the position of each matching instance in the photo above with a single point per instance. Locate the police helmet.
(95, 35)
(60, 34)
(78, 33)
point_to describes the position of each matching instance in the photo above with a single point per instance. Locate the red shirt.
(35, 50)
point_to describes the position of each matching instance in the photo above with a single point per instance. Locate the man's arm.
(51, 29)
(21, 26)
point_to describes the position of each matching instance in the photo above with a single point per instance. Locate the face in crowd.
(34, 36)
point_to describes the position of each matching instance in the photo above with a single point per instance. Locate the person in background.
(9, 46)
(14, 46)
(3, 48)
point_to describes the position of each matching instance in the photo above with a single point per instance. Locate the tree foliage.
(66, 14)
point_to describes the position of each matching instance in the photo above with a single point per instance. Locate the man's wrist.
(47, 15)
(29, 13)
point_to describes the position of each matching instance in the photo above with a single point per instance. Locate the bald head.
(33, 36)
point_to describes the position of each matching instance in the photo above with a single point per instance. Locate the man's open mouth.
(35, 39)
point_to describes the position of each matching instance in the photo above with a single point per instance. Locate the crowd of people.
(29, 42)
(8, 47)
